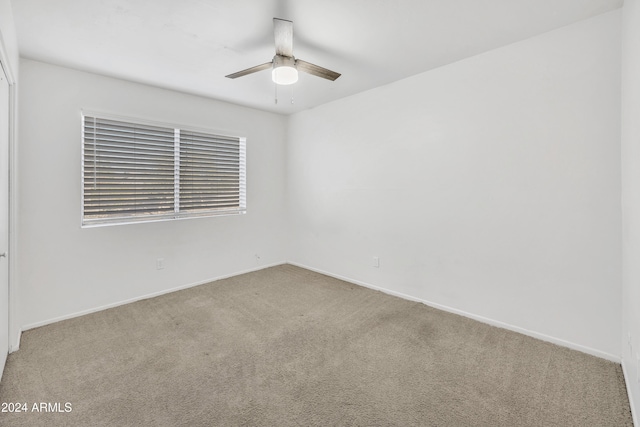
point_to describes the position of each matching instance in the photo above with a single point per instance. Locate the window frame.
(176, 214)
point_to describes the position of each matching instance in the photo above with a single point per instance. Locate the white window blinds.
(140, 172)
(211, 172)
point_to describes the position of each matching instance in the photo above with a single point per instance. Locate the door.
(4, 218)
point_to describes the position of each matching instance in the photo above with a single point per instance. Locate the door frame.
(14, 324)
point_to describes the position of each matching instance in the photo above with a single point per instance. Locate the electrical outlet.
(160, 264)
(376, 262)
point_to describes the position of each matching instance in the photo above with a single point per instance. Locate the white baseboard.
(15, 346)
(492, 322)
(627, 380)
(482, 319)
(142, 297)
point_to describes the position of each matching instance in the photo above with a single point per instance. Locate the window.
(135, 172)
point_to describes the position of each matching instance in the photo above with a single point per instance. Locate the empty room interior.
(274, 213)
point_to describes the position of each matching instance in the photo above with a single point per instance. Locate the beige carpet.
(288, 347)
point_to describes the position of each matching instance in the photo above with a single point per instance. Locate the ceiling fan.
(285, 65)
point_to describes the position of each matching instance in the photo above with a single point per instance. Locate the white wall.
(66, 270)
(631, 198)
(490, 186)
(8, 36)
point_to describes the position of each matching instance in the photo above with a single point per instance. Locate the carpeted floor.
(288, 347)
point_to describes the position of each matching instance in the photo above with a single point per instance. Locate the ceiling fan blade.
(283, 35)
(316, 70)
(250, 70)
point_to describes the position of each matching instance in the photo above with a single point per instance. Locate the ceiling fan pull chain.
(292, 94)
(276, 91)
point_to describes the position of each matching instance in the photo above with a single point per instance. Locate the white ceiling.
(190, 45)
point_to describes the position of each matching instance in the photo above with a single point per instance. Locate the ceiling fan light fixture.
(284, 70)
